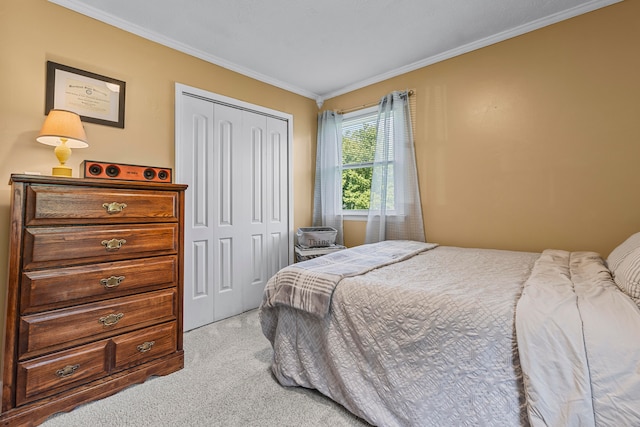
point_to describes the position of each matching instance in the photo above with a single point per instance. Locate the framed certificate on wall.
(95, 98)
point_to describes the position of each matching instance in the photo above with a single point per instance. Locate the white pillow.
(627, 275)
(621, 251)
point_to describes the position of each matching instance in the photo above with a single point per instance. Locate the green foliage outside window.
(356, 188)
(358, 150)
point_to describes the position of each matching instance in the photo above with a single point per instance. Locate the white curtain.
(395, 212)
(327, 200)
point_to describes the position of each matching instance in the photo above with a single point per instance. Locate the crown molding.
(181, 47)
(320, 98)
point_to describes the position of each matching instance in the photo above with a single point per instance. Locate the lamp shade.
(63, 126)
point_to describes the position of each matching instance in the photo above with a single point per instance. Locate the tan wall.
(527, 144)
(531, 143)
(34, 31)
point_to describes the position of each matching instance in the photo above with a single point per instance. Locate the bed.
(416, 334)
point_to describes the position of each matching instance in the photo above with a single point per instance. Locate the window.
(358, 151)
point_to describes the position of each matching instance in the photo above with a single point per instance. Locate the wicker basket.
(316, 237)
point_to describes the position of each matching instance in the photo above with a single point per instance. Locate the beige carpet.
(226, 382)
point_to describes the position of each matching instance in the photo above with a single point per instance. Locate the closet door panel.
(277, 201)
(196, 135)
(227, 193)
(223, 157)
(257, 170)
(258, 256)
(255, 134)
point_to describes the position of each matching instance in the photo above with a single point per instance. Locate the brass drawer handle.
(67, 371)
(111, 319)
(114, 207)
(113, 244)
(112, 282)
(146, 346)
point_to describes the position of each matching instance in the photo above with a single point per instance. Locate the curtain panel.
(327, 200)
(395, 211)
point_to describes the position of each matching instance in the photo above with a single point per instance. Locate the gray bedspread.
(470, 337)
(429, 341)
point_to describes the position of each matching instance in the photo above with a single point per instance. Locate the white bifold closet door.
(237, 236)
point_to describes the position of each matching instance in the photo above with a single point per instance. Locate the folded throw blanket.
(309, 285)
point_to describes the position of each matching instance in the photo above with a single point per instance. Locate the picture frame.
(95, 98)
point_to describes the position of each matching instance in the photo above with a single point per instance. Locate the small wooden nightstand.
(303, 254)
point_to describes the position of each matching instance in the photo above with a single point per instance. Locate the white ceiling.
(323, 48)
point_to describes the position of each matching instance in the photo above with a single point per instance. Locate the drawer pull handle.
(112, 282)
(114, 207)
(146, 346)
(113, 244)
(111, 319)
(67, 371)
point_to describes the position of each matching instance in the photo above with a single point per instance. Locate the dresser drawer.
(62, 246)
(58, 329)
(54, 373)
(138, 347)
(67, 204)
(55, 288)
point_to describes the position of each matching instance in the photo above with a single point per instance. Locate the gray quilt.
(443, 339)
(429, 341)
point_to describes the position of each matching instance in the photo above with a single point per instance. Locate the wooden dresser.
(94, 291)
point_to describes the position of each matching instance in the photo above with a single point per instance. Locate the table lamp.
(62, 129)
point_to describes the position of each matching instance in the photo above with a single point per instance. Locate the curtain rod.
(371, 104)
